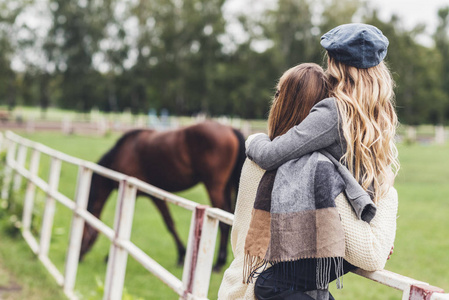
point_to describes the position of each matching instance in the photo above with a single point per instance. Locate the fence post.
(8, 172)
(102, 125)
(30, 126)
(123, 221)
(411, 133)
(50, 203)
(77, 228)
(21, 157)
(440, 135)
(423, 291)
(66, 126)
(246, 128)
(30, 192)
(200, 253)
(192, 249)
(205, 258)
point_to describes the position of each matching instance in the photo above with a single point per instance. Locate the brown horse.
(174, 161)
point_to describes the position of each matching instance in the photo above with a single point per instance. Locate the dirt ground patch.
(22, 276)
(9, 288)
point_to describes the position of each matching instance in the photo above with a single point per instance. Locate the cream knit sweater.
(367, 245)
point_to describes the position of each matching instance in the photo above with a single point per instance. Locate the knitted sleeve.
(368, 245)
(232, 286)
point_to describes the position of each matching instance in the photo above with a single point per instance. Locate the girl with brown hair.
(297, 91)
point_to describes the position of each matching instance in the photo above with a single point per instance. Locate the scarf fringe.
(252, 267)
(323, 271)
(285, 271)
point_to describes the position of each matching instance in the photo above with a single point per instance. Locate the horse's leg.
(220, 197)
(163, 209)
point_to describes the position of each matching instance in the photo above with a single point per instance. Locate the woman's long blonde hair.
(368, 121)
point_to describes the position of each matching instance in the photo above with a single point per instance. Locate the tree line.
(187, 57)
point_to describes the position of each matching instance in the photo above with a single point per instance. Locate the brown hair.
(298, 90)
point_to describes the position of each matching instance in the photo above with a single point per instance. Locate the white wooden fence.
(201, 242)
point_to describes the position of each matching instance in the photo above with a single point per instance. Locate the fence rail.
(201, 241)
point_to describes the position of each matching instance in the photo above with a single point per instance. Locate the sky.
(411, 12)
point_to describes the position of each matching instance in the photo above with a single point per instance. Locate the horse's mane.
(107, 159)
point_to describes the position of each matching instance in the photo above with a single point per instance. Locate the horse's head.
(99, 191)
(90, 234)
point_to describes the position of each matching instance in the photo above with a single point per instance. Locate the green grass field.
(421, 248)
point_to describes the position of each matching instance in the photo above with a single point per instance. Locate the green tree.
(176, 52)
(441, 38)
(8, 32)
(73, 40)
(293, 34)
(338, 12)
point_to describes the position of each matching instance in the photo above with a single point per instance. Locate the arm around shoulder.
(319, 130)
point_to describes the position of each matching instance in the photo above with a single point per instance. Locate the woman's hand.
(251, 137)
(391, 252)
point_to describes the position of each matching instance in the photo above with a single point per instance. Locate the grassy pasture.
(421, 248)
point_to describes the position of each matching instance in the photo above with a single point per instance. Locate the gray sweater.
(319, 131)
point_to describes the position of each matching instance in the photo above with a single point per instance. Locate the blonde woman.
(356, 126)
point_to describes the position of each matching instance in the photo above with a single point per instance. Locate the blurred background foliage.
(187, 57)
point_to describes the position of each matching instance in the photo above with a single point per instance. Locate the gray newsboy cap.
(359, 45)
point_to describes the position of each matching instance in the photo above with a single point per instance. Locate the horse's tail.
(240, 159)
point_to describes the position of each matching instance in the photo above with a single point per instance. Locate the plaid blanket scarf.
(295, 217)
